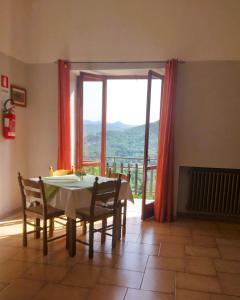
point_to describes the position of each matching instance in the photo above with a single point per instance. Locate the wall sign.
(4, 81)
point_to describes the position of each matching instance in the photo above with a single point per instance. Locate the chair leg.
(38, 230)
(91, 237)
(84, 230)
(103, 234)
(119, 223)
(124, 218)
(24, 231)
(45, 246)
(51, 227)
(114, 230)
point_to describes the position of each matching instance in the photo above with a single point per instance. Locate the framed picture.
(18, 95)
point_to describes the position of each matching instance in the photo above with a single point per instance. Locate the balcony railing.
(135, 166)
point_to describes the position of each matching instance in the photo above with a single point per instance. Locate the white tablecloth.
(73, 192)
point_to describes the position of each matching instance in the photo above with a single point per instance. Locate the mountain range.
(122, 139)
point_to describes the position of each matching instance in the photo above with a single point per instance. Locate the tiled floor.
(185, 260)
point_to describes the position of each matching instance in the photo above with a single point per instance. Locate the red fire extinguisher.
(9, 120)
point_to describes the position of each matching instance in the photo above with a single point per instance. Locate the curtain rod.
(120, 62)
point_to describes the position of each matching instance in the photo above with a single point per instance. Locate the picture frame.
(18, 95)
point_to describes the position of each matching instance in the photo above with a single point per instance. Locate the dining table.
(71, 192)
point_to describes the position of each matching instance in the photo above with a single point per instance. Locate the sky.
(126, 101)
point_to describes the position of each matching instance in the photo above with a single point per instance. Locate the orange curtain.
(64, 134)
(163, 207)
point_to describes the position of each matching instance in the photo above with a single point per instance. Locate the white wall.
(207, 116)
(43, 118)
(13, 153)
(15, 16)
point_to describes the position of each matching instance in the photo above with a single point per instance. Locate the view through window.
(126, 116)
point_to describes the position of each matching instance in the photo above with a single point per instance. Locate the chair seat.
(99, 212)
(51, 211)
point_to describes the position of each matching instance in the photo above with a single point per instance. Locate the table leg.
(71, 237)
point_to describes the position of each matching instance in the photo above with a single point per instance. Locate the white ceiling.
(38, 31)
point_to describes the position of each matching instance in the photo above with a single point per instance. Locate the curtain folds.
(163, 207)
(64, 131)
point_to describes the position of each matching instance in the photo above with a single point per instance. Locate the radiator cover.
(215, 191)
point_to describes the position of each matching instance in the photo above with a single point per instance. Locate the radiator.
(215, 191)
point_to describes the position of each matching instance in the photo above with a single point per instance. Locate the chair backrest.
(32, 189)
(103, 192)
(126, 177)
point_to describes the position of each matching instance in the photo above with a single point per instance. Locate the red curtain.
(64, 132)
(163, 207)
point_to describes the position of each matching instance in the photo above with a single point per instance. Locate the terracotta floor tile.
(158, 228)
(83, 276)
(205, 225)
(104, 292)
(57, 258)
(100, 259)
(159, 281)
(207, 232)
(176, 239)
(150, 238)
(146, 295)
(200, 265)
(166, 263)
(191, 295)
(223, 297)
(7, 252)
(107, 247)
(230, 234)
(228, 242)
(180, 231)
(131, 237)
(230, 283)
(119, 277)
(227, 266)
(202, 251)
(21, 289)
(3, 285)
(232, 253)
(11, 269)
(133, 228)
(28, 254)
(139, 248)
(58, 291)
(204, 241)
(172, 250)
(198, 283)
(45, 272)
(131, 261)
(12, 241)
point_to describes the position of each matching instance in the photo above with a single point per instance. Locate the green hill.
(124, 142)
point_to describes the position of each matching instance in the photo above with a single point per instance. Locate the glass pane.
(154, 121)
(92, 120)
(153, 138)
(151, 184)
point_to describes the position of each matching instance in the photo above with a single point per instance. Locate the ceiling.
(41, 31)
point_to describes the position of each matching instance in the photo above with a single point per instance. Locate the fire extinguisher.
(9, 120)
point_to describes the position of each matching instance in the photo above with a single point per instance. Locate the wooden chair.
(101, 193)
(123, 217)
(37, 209)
